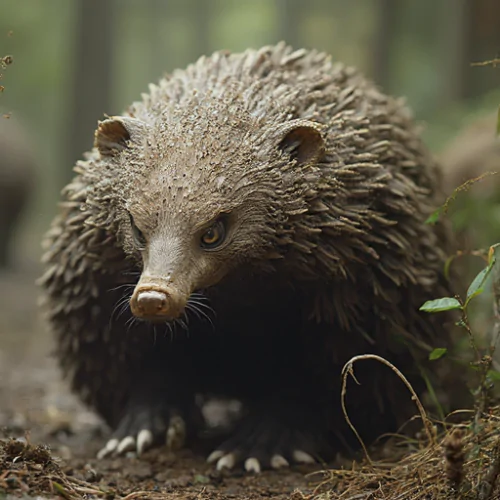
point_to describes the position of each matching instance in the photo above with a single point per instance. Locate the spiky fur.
(329, 260)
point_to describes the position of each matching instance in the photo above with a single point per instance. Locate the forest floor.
(48, 443)
(35, 405)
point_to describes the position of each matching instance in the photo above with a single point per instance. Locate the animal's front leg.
(273, 434)
(161, 409)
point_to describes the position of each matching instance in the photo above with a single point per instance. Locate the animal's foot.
(264, 443)
(143, 427)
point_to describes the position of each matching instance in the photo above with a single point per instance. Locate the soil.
(55, 457)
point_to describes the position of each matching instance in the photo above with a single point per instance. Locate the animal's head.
(203, 194)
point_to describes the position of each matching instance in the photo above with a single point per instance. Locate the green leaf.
(476, 287)
(437, 353)
(438, 305)
(200, 478)
(61, 490)
(434, 217)
(447, 265)
(494, 375)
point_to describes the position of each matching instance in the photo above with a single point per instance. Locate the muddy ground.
(34, 399)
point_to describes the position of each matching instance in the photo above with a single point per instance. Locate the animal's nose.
(150, 303)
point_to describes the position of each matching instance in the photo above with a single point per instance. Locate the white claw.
(214, 456)
(176, 433)
(278, 462)
(302, 457)
(144, 440)
(108, 449)
(252, 465)
(226, 462)
(126, 444)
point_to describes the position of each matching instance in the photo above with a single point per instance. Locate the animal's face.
(194, 217)
(182, 254)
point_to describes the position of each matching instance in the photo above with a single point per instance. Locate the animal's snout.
(151, 303)
(156, 303)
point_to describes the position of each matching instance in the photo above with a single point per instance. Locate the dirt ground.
(34, 399)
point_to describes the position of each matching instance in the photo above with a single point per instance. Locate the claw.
(278, 462)
(126, 444)
(176, 433)
(252, 465)
(108, 449)
(226, 462)
(302, 457)
(144, 440)
(214, 456)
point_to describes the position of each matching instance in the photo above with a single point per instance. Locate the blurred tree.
(156, 12)
(92, 76)
(290, 14)
(470, 33)
(482, 42)
(199, 11)
(388, 12)
(454, 49)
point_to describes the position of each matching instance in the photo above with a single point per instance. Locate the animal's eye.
(214, 235)
(139, 238)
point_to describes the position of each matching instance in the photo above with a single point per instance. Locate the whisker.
(131, 322)
(202, 301)
(130, 285)
(124, 307)
(194, 307)
(169, 330)
(131, 273)
(190, 308)
(119, 308)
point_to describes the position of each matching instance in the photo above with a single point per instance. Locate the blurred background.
(75, 60)
(72, 61)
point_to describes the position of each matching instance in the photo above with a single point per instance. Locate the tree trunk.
(289, 16)
(200, 14)
(387, 17)
(92, 76)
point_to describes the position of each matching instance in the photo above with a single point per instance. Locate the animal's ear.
(114, 134)
(302, 140)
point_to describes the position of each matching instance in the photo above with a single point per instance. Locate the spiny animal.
(262, 214)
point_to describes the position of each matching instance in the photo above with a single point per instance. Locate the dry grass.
(459, 464)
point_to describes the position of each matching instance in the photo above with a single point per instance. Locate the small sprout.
(439, 305)
(434, 217)
(437, 353)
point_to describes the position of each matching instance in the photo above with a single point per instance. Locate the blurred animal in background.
(474, 151)
(17, 175)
